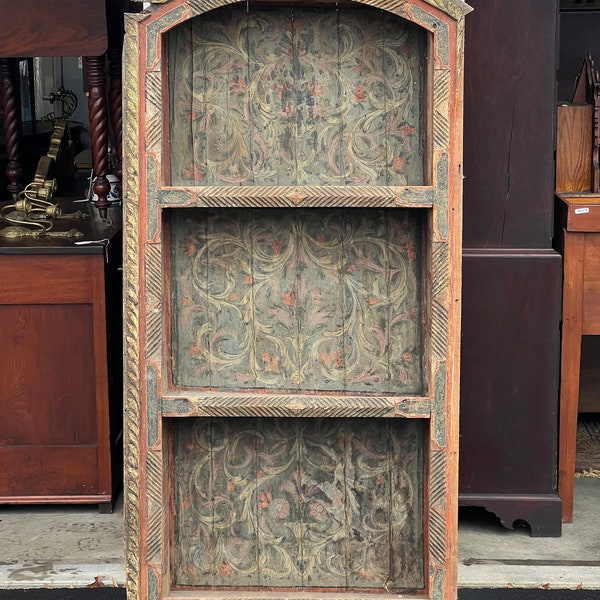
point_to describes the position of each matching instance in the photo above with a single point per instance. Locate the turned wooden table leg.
(98, 113)
(11, 117)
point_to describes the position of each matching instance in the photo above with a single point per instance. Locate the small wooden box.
(574, 148)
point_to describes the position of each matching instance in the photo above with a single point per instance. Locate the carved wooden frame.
(147, 399)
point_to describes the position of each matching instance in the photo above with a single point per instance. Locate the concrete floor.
(492, 556)
(74, 546)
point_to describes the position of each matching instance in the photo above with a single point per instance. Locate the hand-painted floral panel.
(300, 299)
(298, 503)
(296, 96)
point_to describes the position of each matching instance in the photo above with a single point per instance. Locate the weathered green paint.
(306, 299)
(299, 503)
(296, 96)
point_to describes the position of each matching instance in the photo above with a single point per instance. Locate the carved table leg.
(98, 113)
(11, 117)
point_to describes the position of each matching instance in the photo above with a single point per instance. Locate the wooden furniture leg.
(98, 113)
(11, 117)
(570, 367)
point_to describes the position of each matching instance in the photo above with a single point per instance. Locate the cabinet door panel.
(47, 370)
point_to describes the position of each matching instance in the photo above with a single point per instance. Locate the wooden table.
(578, 240)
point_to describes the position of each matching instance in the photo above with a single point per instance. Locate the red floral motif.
(289, 298)
(315, 88)
(318, 110)
(194, 350)
(193, 172)
(264, 499)
(319, 511)
(331, 359)
(225, 569)
(276, 246)
(189, 246)
(411, 250)
(238, 86)
(364, 574)
(271, 362)
(192, 115)
(279, 508)
(398, 164)
(359, 94)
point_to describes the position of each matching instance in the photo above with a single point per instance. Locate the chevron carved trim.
(154, 304)
(153, 111)
(282, 405)
(155, 510)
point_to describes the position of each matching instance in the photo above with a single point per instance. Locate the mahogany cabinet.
(60, 368)
(512, 277)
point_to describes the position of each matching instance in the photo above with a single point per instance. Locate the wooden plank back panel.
(297, 96)
(304, 300)
(298, 504)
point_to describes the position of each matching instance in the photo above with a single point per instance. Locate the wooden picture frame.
(179, 391)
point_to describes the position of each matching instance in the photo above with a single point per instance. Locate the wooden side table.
(578, 240)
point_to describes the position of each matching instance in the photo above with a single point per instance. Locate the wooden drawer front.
(591, 285)
(48, 470)
(46, 279)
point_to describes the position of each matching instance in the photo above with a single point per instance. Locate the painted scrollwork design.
(297, 96)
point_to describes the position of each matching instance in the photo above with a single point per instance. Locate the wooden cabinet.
(55, 432)
(511, 283)
(292, 275)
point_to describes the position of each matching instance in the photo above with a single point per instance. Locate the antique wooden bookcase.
(292, 298)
